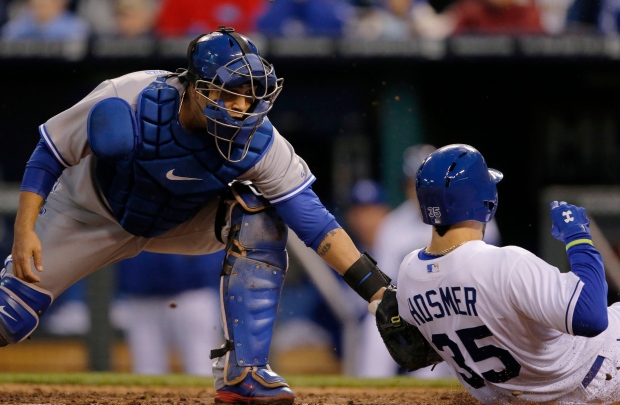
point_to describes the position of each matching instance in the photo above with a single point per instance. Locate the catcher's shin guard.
(251, 283)
(21, 305)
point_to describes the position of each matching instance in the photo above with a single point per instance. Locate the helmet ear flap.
(192, 71)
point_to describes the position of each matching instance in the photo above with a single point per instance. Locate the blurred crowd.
(355, 19)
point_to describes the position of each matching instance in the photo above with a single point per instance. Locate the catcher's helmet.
(454, 185)
(223, 60)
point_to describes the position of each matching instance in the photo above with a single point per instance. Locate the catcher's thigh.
(252, 278)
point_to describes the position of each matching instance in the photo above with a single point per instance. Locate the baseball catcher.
(183, 162)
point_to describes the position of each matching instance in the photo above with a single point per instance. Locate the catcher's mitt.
(405, 342)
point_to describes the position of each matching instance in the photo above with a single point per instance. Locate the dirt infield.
(30, 394)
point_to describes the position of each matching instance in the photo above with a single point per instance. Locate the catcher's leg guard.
(250, 286)
(21, 305)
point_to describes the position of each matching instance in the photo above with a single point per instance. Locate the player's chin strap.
(251, 281)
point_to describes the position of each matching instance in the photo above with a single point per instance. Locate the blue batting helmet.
(220, 62)
(454, 185)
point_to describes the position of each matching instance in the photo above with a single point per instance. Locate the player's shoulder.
(137, 81)
(131, 85)
(509, 250)
(503, 254)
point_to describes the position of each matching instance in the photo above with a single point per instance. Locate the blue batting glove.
(570, 224)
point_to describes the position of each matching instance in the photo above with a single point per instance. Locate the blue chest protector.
(153, 173)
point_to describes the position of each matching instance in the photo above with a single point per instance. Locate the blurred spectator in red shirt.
(178, 18)
(509, 17)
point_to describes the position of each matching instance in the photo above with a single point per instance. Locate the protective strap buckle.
(228, 346)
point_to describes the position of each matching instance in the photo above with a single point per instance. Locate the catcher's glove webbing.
(405, 342)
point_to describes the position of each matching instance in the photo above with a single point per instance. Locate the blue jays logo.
(432, 268)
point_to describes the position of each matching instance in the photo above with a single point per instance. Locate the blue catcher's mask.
(219, 63)
(454, 185)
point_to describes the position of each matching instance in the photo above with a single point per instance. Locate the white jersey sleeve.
(541, 292)
(281, 173)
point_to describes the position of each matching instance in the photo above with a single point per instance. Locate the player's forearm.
(359, 271)
(338, 250)
(28, 211)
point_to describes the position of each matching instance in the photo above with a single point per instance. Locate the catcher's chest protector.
(172, 172)
(251, 283)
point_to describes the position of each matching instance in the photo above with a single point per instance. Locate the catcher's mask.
(220, 62)
(454, 185)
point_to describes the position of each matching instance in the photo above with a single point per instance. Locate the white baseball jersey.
(501, 318)
(400, 232)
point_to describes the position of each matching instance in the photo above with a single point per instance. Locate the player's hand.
(569, 222)
(26, 245)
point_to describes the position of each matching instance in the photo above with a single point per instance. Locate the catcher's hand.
(405, 342)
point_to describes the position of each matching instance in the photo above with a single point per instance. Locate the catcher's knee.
(252, 226)
(21, 305)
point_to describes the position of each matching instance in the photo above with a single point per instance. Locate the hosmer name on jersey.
(447, 301)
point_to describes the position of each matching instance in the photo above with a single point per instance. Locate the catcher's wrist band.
(365, 277)
(579, 242)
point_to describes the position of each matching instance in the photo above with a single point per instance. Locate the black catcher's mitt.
(405, 342)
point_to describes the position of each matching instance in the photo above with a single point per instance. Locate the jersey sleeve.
(281, 173)
(65, 133)
(543, 293)
(590, 316)
(307, 216)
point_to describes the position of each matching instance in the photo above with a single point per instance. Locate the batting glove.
(570, 224)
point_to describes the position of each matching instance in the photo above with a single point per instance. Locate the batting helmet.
(454, 185)
(219, 62)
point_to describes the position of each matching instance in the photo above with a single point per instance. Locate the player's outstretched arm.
(570, 225)
(26, 243)
(338, 250)
(317, 228)
(359, 271)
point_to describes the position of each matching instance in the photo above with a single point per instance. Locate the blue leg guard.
(21, 305)
(251, 283)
